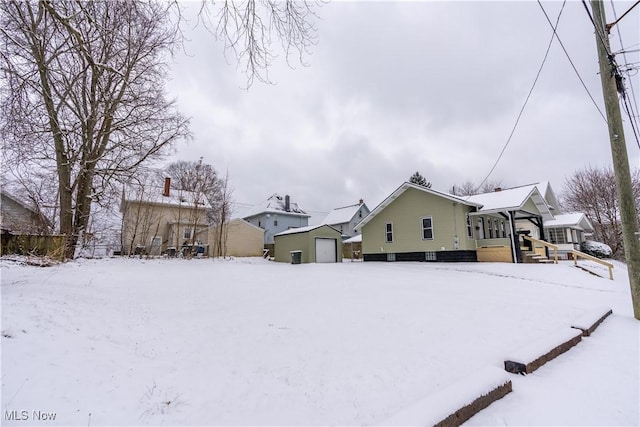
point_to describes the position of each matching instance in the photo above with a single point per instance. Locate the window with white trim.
(469, 227)
(388, 232)
(187, 233)
(427, 228)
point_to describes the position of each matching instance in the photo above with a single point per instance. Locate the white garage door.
(326, 250)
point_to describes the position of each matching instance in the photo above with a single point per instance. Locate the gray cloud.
(397, 87)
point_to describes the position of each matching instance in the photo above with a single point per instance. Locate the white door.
(326, 250)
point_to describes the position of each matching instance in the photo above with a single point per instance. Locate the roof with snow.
(549, 195)
(342, 215)
(355, 239)
(512, 199)
(276, 204)
(303, 229)
(571, 220)
(154, 195)
(404, 187)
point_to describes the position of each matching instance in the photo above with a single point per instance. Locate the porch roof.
(576, 220)
(512, 199)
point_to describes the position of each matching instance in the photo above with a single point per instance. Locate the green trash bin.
(296, 257)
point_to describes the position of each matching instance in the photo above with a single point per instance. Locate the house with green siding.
(316, 243)
(416, 223)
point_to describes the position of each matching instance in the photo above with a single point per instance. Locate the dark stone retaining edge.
(455, 403)
(465, 413)
(588, 330)
(522, 367)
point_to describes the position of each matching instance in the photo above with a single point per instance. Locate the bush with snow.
(596, 249)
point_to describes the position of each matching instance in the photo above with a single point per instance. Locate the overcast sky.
(397, 87)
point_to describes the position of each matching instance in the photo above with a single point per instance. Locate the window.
(391, 257)
(388, 232)
(187, 233)
(490, 228)
(556, 236)
(495, 227)
(469, 228)
(430, 256)
(275, 222)
(427, 228)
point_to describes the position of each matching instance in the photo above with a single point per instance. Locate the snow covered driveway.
(252, 342)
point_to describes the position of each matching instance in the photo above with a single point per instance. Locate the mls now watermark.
(29, 416)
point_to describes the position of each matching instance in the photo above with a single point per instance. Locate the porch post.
(515, 242)
(541, 232)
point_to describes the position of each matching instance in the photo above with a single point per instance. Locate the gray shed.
(315, 243)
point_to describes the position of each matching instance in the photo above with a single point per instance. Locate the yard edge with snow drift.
(588, 322)
(537, 353)
(456, 403)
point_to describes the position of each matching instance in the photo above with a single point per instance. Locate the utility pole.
(611, 78)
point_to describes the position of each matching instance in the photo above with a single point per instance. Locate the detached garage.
(316, 243)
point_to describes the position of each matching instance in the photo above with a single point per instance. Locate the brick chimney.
(361, 201)
(497, 189)
(167, 187)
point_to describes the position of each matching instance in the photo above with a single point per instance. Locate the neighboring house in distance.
(158, 220)
(240, 239)
(416, 223)
(567, 231)
(346, 218)
(19, 218)
(275, 215)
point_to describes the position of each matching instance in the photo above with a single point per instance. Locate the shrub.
(596, 249)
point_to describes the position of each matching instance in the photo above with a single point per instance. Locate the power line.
(600, 35)
(544, 59)
(633, 124)
(615, 68)
(573, 65)
(631, 112)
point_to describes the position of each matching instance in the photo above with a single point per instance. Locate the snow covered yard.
(252, 342)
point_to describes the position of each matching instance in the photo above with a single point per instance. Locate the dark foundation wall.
(439, 256)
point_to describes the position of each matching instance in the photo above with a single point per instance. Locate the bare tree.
(469, 188)
(84, 94)
(224, 207)
(141, 214)
(246, 27)
(197, 177)
(593, 192)
(82, 90)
